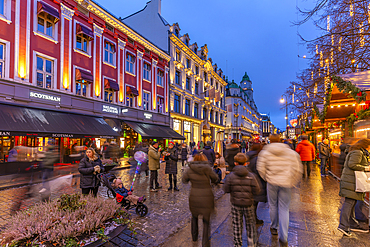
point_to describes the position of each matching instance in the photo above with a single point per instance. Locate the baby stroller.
(107, 179)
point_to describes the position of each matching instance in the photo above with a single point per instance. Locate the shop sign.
(124, 110)
(44, 96)
(115, 129)
(110, 109)
(148, 115)
(62, 135)
(293, 122)
(5, 133)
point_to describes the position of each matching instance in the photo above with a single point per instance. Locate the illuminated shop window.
(44, 72)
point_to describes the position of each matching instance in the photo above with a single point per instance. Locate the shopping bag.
(362, 181)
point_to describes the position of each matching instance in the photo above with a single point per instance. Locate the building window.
(81, 88)
(177, 103)
(205, 76)
(160, 107)
(216, 85)
(221, 119)
(2, 7)
(44, 72)
(108, 95)
(196, 107)
(177, 33)
(178, 58)
(196, 88)
(146, 101)
(109, 50)
(186, 42)
(147, 51)
(187, 107)
(160, 77)
(211, 81)
(130, 41)
(82, 42)
(216, 117)
(204, 113)
(196, 70)
(195, 50)
(129, 101)
(188, 83)
(130, 62)
(2, 59)
(177, 77)
(146, 74)
(45, 24)
(188, 63)
(211, 116)
(109, 27)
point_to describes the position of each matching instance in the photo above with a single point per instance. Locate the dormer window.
(187, 42)
(195, 50)
(177, 33)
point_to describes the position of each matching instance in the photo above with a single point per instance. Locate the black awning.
(81, 29)
(153, 131)
(43, 7)
(110, 84)
(16, 120)
(132, 91)
(83, 75)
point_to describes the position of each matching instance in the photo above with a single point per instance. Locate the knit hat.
(154, 142)
(171, 143)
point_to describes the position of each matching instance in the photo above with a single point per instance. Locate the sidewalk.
(314, 218)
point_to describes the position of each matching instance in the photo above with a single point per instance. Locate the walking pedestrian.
(201, 145)
(154, 155)
(231, 150)
(281, 168)
(221, 164)
(306, 151)
(262, 196)
(242, 186)
(184, 153)
(171, 157)
(144, 166)
(324, 154)
(201, 198)
(356, 160)
(90, 166)
(209, 153)
(47, 166)
(243, 145)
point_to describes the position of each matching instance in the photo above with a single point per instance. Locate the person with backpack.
(242, 186)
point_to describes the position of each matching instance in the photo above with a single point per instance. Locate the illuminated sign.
(186, 126)
(62, 135)
(124, 110)
(4, 133)
(294, 122)
(115, 129)
(110, 109)
(44, 96)
(148, 115)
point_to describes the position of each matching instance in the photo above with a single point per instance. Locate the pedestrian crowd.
(253, 173)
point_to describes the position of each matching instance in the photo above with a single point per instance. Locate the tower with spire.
(246, 85)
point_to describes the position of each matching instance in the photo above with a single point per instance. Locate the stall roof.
(17, 120)
(360, 79)
(153, 131)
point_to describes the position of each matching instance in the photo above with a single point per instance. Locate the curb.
(75, 175)
(111, 235)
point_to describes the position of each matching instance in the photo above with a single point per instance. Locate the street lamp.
(282, 100)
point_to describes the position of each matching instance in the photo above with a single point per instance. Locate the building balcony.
(188, 72)
(178, 65)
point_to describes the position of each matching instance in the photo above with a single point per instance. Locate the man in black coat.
(210, 153)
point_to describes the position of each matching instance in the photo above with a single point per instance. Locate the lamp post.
(286, 111)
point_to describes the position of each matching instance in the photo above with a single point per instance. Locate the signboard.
(148, 115)
(44, 96)
(293, 122)
(110, 109)
(124, 110)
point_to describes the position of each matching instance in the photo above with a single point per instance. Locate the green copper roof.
(246, 77)
(233, 84)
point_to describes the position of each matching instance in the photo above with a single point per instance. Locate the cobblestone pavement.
(314, 218)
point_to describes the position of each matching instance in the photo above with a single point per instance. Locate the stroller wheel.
(141, 210)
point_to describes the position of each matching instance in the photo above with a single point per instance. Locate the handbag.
(362, 181)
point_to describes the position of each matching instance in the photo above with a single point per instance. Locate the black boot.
(170, 179)
(175, 183)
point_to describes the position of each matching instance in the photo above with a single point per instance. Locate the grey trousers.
(347, 215)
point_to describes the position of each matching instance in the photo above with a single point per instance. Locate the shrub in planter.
(58, 220)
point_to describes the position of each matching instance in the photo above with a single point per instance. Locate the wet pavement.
(314, 213)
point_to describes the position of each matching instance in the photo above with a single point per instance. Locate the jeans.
(92, 190)
(306, 168)
(172, 177)
(324, 161)
(279, 201)
(347, 215)
(153, 179)
(206, 229)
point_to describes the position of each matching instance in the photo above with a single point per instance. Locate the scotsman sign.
(44, 96)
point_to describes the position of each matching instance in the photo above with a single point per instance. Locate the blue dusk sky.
(253, 36)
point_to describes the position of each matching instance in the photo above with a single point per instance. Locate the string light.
(317, 49)
(332, 56)
(311, 75)
(368, 13)
(340, 43)
(321, 59)
(362, 40)
(351, 10)
(332, 40)
(328, 23)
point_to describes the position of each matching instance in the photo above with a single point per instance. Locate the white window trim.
(133, 68)
(88, 90)
(7, 17)
(55, 71)
(114, 54)
(150, 71)
(88, 53)
(149, 100)
(114, 92)
(6, 58)
(36, 32)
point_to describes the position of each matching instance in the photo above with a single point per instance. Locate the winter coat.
(343, 153)
(220, 162)
(201, 199)
(355, 161)
(184, 153)
(262, 196)
(279, 165)
(201, 145)
(243, 145)
(242, 186)
(306, 150)
(122, 191)
(208, 151)
(324, 150)
(231, 151)
(171, 161)
(86, 167)
(154, 158)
